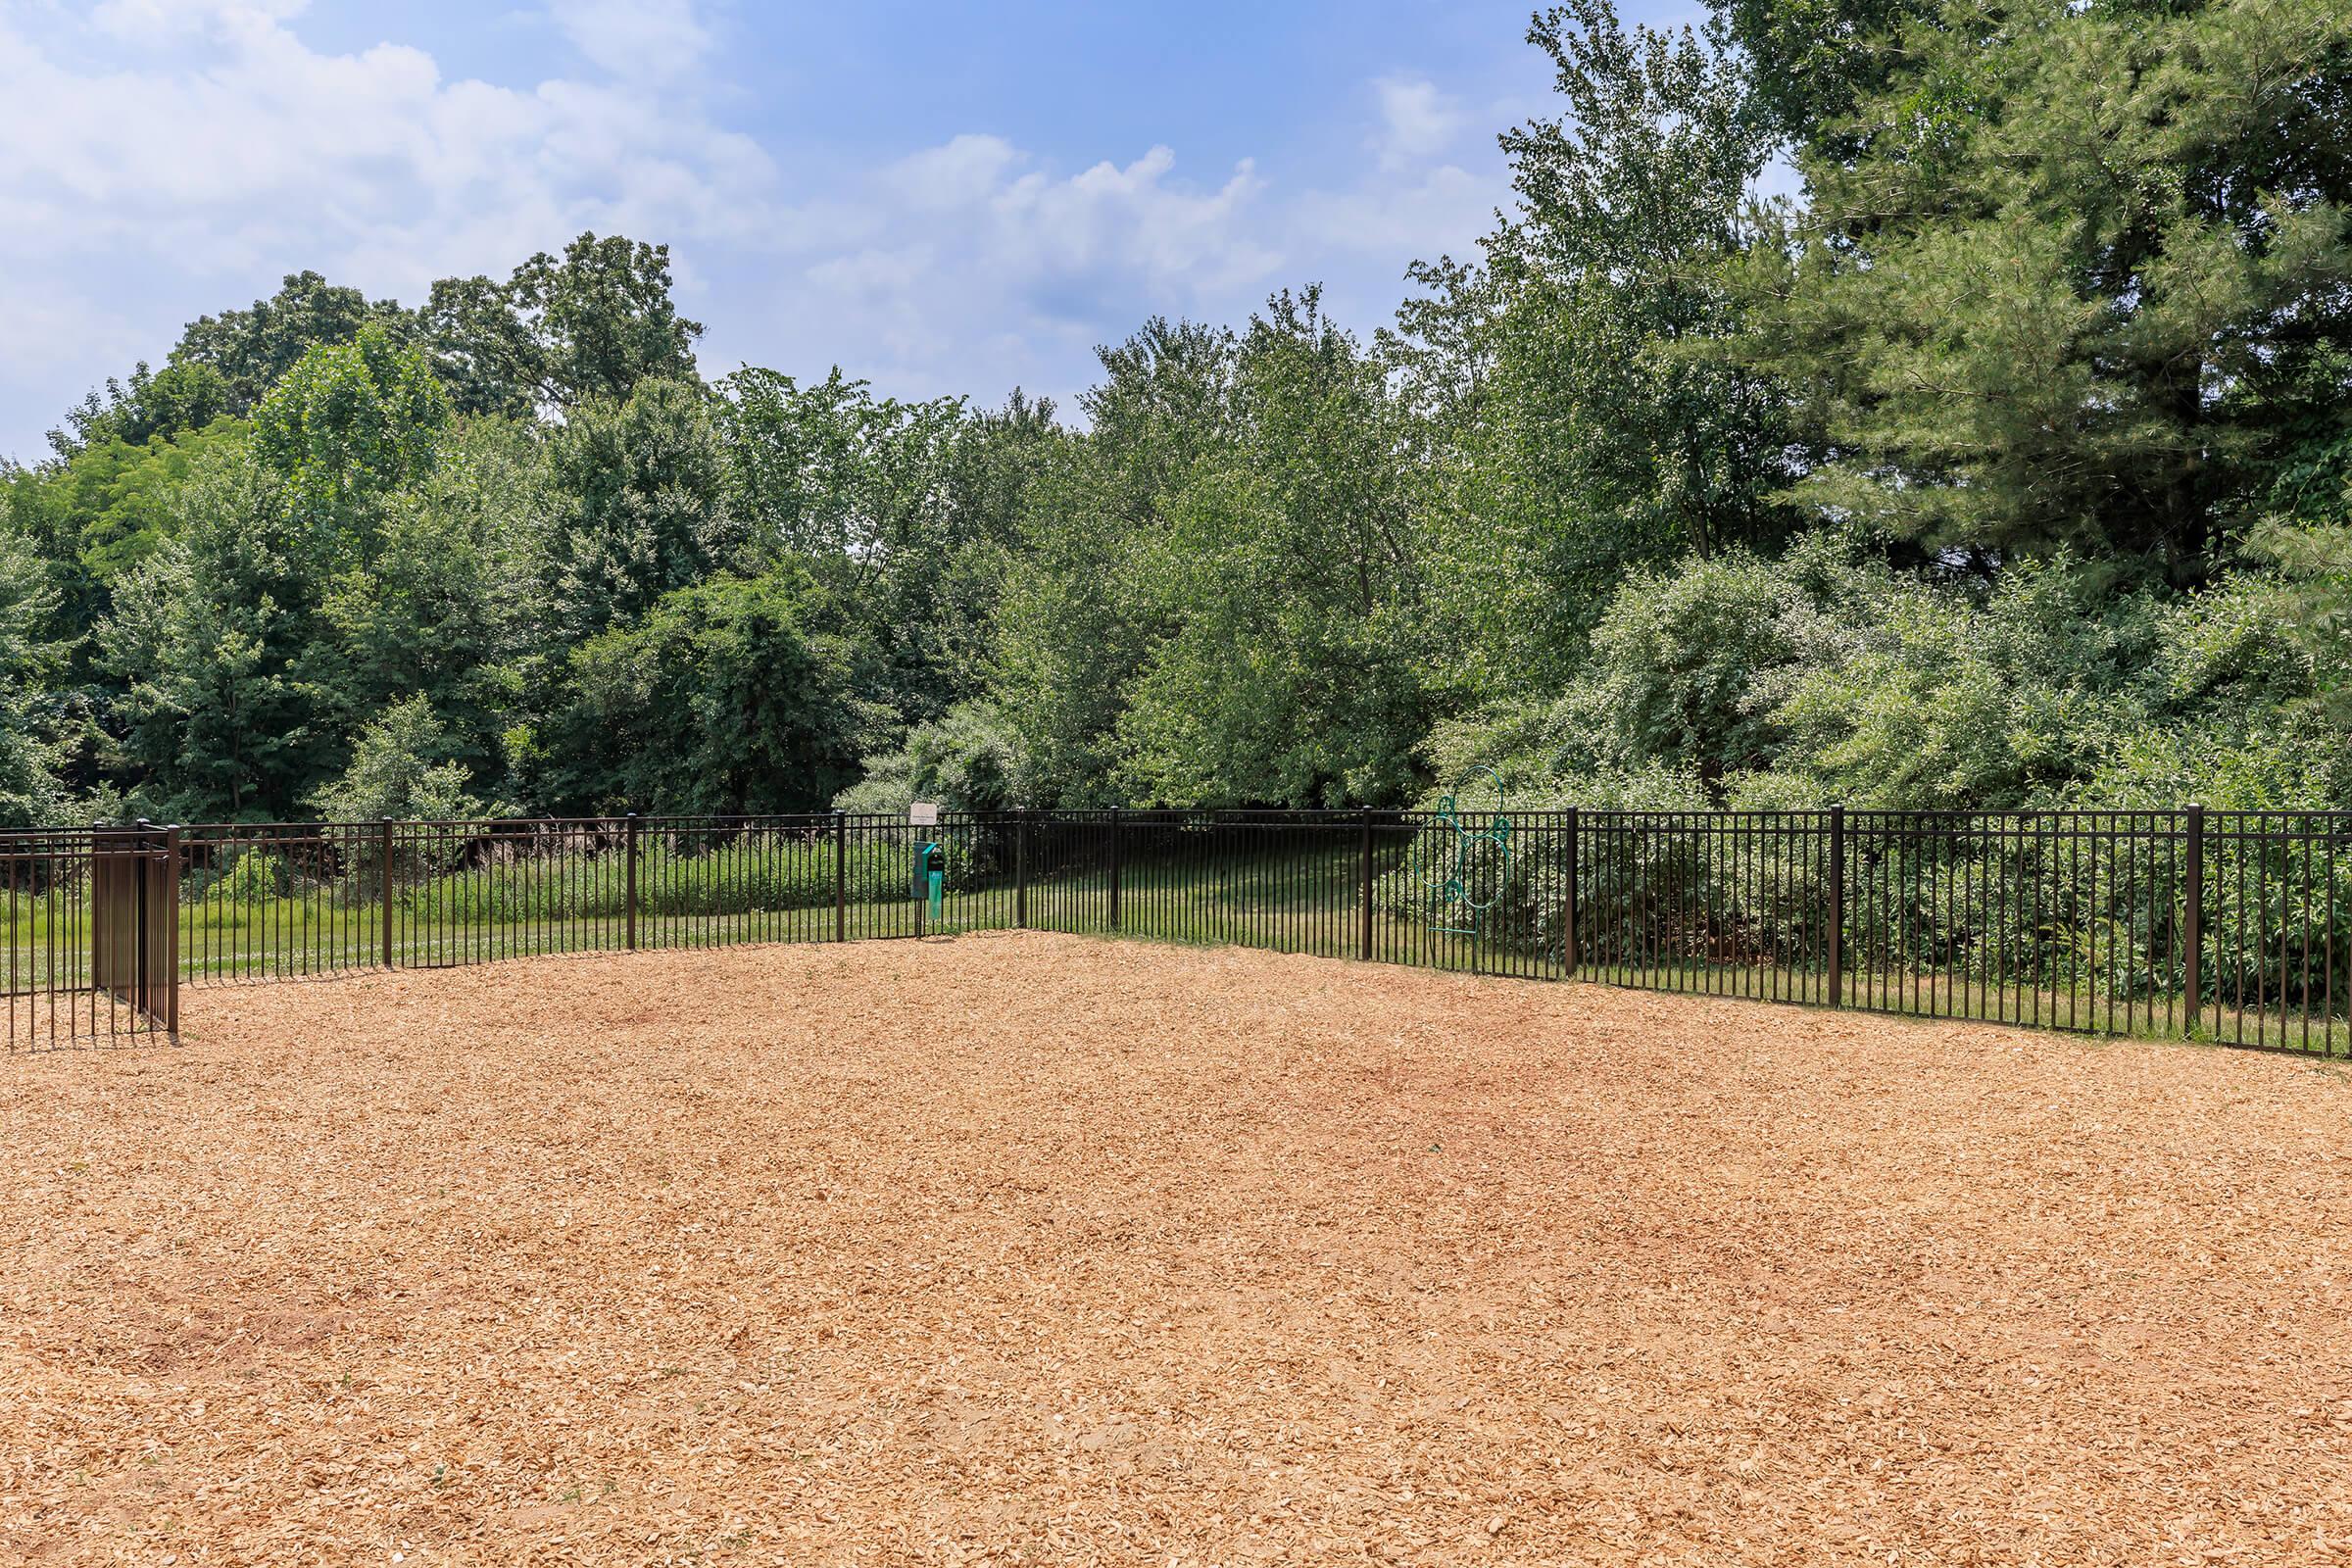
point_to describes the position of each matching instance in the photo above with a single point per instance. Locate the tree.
(1811, 60)
(29, 793)
(965, 761)
(1587, 418)
(450, 606)
(205, 635)
(1073, 626)
(717, 701)
(955, 576)
(640, 489)
(2064, 271)
(180, 397)
(100, 512)
(600, 320)
(1284, 573)
(350, 421)
(393, 773)
(2313, 554)
(900, 512)
(483, 352)
(251, 349)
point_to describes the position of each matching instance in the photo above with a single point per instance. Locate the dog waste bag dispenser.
(930, 861)
(930, 876)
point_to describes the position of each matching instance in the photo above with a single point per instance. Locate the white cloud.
(1442, 209)
(162, 22)
(634, 38)
(261, 150)
(171, 157)
(1417, 122)
(968, 253)
(168, 157)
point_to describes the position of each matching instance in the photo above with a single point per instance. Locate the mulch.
(1040, 1250)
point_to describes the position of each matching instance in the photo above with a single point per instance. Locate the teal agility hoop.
(1474, 863)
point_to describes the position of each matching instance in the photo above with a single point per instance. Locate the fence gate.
(89, 928)
(134, 946)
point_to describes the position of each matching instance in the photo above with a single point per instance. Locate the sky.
(942, 199)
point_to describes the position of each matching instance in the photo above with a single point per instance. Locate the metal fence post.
(1020, 870)
(841, 877)
(383, 850)
(629, 900)
(170, 890)
(1115, 815)
(1364, 890)
(2194, 925)
(1837, 902)
(1568, 903)
(142, 999)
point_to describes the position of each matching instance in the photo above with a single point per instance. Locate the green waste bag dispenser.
(930, 871)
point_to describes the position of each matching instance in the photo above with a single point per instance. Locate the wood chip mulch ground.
(1039, 1250)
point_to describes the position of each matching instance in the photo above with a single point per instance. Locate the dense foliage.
(2008, 462)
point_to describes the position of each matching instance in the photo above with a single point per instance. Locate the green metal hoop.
(1469, 857)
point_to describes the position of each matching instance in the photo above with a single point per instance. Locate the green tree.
(2063, 272)
(183, 396)
(599, 319)
(2314, 554)
(641, 504)
(206, 634)
(717, 701)
(900, 512)
(251, 350)
(483, 352)
(1811, 60)
(450, 606)
(1285, 575)
(350, 419)
(96, 515)
(401, 768)
(1076, 623)
(965, 761)
(29, 791)
(1590, 423)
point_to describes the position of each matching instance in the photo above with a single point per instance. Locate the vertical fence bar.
(2192, 921)
(1568, 903)
(142, 912)
(171, 931)
(841, 877)
(383, 851)
(1020, 869)
(1363, 940)
(629, 893)
(1114, 867)
(1836, 903)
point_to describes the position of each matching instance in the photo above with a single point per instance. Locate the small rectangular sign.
(923, 814)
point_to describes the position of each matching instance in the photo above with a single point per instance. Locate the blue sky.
(941, 198)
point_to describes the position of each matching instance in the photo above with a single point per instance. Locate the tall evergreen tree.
(2071, 276)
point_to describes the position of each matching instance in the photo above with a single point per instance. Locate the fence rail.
(2220, 925)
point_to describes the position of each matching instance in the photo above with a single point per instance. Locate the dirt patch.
(1040, 1250)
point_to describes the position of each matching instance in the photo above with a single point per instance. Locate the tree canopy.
(2006, 460)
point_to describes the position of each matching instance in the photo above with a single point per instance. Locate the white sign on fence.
(923, 814)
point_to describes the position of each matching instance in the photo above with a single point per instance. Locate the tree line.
(2007, 462)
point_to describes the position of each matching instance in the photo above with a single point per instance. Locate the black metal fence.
(89, 922)
(2223, 925)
